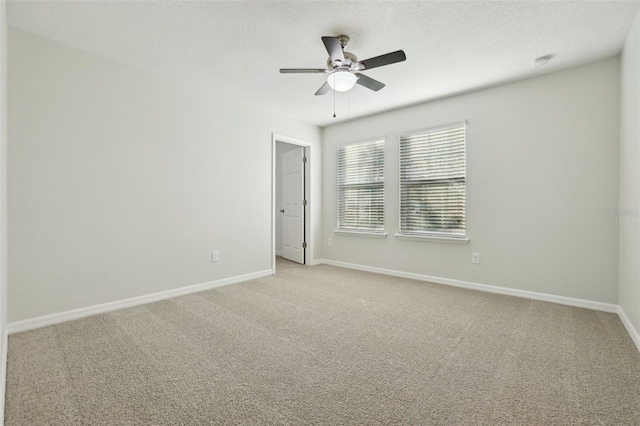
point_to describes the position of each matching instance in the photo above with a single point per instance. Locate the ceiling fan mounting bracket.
(344, 40)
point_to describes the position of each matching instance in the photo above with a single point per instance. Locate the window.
(361, 187)
(432, 182)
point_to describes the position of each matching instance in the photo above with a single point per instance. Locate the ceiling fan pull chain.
(334, 104)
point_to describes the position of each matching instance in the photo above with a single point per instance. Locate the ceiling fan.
(344, 68)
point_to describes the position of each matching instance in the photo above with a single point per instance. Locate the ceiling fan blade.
(369, 82)
(303, 70)
(323, 89)
(334, 48)
(388, 59)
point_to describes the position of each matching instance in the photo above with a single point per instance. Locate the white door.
(293, 205)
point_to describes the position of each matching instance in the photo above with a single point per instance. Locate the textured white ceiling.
(237, 47)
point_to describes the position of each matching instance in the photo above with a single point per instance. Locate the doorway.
(290, 187)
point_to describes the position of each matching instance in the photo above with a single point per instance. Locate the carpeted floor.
(325, 345)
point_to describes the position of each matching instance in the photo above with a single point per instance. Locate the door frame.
(308, 253)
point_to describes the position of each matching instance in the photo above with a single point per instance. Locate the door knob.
(281, 210)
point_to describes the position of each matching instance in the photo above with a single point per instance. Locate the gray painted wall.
(121, 182)
(542, 168)
(630, 177)
(3, 197)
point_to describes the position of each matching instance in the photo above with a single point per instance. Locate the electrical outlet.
(215, 256)
(329, 242)
(475, 258)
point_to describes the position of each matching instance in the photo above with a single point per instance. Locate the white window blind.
(432, 182)
(361, 187)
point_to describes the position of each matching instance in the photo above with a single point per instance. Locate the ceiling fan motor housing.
(349, 59)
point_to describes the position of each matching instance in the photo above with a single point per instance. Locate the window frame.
(426, 235)
(362, 232)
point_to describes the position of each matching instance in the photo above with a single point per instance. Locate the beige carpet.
(325, 345)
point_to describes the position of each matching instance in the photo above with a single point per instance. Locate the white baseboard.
(589, 304)
(627, 324)
(3, 374)
(43, 321)
(279, 253)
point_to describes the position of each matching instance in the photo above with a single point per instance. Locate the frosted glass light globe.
(341, 81)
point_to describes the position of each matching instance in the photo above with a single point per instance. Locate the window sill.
(433, 239)
(361, 233)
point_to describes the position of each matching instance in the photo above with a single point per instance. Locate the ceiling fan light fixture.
(341, 81)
